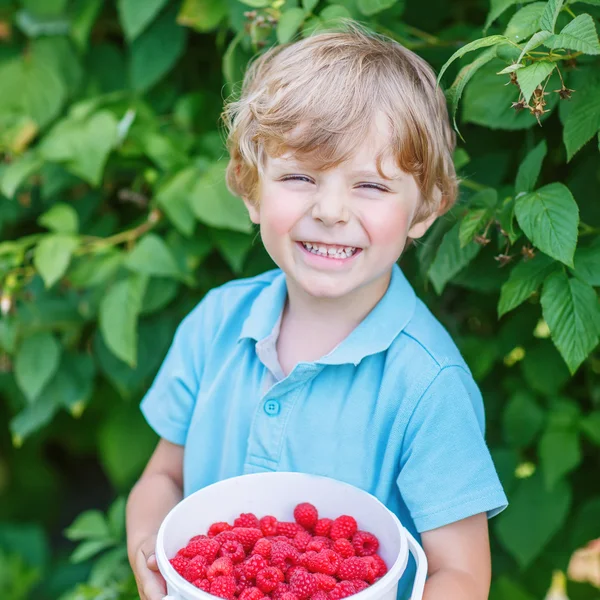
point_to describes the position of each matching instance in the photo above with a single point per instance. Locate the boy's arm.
(158, 490)
(459, 561)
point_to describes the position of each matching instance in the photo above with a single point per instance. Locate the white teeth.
(339, 253)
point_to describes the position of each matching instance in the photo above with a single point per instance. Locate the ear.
(419, 229)
(253, 210)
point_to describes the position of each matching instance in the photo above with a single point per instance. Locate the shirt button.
(272, 407)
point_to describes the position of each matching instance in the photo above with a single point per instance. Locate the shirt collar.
(374, 333)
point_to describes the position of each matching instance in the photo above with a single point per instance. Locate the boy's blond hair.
(317, 97)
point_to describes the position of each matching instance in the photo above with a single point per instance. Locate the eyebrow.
(294, 164)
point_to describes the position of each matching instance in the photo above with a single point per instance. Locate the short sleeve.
(446, 471)
(169, 403)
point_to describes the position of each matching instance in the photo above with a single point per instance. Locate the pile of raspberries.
(309, 559)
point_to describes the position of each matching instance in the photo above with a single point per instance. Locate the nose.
(330, 207)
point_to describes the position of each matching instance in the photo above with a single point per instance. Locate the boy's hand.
(150, 582)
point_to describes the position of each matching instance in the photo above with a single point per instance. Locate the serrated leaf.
(570, 308)
(155, 52)
(53, 255)
(525, 22)
(214, 205)
(471, 224)
(524, 279)
(522, 420)
(90, 525)
(36, 363)
(118, 317)
(531, 76)
(151, 256)
(529, 169)
(289, 23)
(491, 40)
(497, 8)
(579, 35)
(560, 453)
(61, 218)
(587, 264)
(202, 15)
(450, 259)
(550, 14)
(135, 16)
(583, 120)
(549, 217)
(535, 515)
(536, 40)
(173, 199)
(372, 7)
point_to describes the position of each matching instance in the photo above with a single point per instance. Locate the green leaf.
(522, 420)
(155, 52)
(309, 5)
(61, 218)
(118, 317)
(544, 370)
(90, 525)
(372, 7)
(535, 515)
(151, 256)
(585, 525)
(570, 307)
(36, 363)
(583, 120)
(82, 144)
(135, 16)
(256, 3)
(450, 259)
(73, 383)
(334, 12)
(587, 264)
(32, 418)
(85, 13)
(524, 279)
(579, 35)
(17, 172)
(233, 246)
(464, 76)
(491, 40)
(289, 23)
(549, 217)
(504, 588)
(530, 77)
(96, 269)
(116, 518)
(214, 205)
(560, 453)
(497, 8)
(159, 293)
(529, 169)
(202, 15)
(173, 199)
(53, 255)
(525, 22)
(86, 550)
(590, 425)
(550, 14)
(537, 40)
(471, 224)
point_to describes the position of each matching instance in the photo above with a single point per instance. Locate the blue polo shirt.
(393, 409)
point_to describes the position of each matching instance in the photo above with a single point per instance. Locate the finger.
(151, 562)
(154, 587)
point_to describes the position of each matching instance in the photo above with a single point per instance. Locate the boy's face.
(333, 232)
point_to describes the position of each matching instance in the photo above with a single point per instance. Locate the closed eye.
(297, 178)
(373, 186)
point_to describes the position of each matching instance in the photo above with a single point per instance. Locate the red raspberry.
(267, 579)
(223, 587)
(319, 543)
(247, 520)
(364, 543)
(288, 596)
(279, 590)
(179, 563)
(320, 595)
(327, 562)
(325, 582)
(372, 568)
(253, 565)
(251, 593)
(268, 525)
(217, 528)
(288, 529)
(301, 540)
(234, 550)
(247, 536)
(306, 515)
(359, 585)
(344, 547)
(343, 527)
(279, 538)
(199, 537)
(206, 548)
(284, 555)
(382, 567)
(343, 589)
(221, 567)
(323, 527)
(243, 583)
(263, 547)
(203, 584)
(305, 558)
(353, 568)
(196, 568)
(292, 570)
(303, 584)
(226, 536)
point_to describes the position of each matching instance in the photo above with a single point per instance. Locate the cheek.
(388, 227)
(278, 214)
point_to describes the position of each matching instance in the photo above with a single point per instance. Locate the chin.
(326, 289)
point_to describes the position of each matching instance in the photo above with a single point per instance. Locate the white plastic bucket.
(277, 493)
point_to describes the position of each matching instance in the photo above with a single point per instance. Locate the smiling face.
(338, 231)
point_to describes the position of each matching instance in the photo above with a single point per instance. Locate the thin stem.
(473, 185)
(568, 10)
